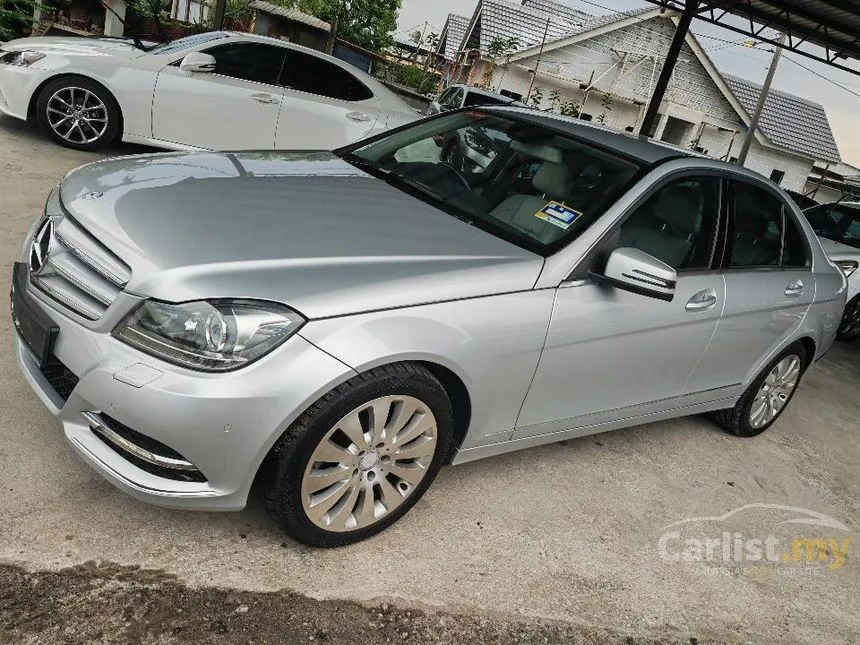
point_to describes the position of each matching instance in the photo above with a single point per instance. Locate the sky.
(843, 107)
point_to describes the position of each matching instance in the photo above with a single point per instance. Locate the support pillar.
(690, 9)
(114, 20)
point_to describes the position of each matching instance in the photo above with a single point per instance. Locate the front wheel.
(849, 328)
(360, 457)
(78, 113)
(768, 395)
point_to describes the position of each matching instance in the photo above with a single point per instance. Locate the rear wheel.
(768, 395)
(849, 328)
(78, 113)
(360, 458)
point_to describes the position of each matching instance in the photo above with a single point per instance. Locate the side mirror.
(198, 62)
(636, 271)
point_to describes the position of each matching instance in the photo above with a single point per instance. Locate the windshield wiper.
(391, 177)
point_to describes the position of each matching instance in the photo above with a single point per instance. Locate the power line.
(823, 77)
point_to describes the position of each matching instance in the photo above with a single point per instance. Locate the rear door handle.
(358, 117)
(794, 289)
(702, 301)
(264, 98)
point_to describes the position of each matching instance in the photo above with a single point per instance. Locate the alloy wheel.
(850, 325)
(77, 115)
(369, 463)
(775, 391)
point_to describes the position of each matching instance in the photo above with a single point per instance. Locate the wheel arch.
(34, 99)
(461, 402)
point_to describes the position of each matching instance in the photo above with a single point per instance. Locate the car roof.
(640, 148)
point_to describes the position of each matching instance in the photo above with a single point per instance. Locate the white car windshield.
(185, 43)
(521, 181)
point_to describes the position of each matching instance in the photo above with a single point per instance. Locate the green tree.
(367, 23)
(536, 98)
(500, 46)
(16, 17)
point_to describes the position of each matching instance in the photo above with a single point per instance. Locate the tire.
(739, 419)
(91, 110)
(849, 327)
(371, 497)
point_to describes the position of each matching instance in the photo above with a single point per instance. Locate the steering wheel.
(460, 176)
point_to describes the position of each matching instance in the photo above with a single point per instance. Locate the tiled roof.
(501, 18)
(452, 35)
(789, 121)
(290, 14)
(550, 6)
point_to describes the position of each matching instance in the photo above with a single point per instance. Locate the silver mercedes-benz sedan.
(334, 327)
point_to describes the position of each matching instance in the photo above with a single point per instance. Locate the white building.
(604, 69)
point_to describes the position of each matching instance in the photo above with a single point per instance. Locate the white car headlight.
(217, 336)
(22, 58)
(848, 266)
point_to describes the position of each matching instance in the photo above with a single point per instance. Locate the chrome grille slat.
(88, 251)
(93, 284)
(75, 269)
(64, 292)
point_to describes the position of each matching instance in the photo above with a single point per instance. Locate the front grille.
(144, 452)
(60, 378)
(74, 269)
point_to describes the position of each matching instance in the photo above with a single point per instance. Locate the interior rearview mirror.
(635, 271)
(198, 62)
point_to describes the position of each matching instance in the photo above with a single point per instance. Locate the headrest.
(538, 151)
(553, 180)
(755, 226)
(680, 208)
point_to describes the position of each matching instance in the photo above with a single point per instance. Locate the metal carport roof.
(832, 25)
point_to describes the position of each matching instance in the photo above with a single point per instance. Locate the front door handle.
(794, 289)
(264, 98)
(358, 117)
(702, 301)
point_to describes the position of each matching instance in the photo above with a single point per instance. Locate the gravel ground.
(553, 544)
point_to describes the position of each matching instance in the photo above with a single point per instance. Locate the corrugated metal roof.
(452, 35)
(789, 121)
(501, 18)
(290, 14)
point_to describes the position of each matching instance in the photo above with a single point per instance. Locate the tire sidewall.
(744, 427)
(79, 81)
(853, 303)
(293, 462)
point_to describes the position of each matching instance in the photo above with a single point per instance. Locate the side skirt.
(500, 448)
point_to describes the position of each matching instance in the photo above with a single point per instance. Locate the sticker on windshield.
(558, 215)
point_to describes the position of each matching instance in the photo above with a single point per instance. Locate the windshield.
(186, 43)
(837, 222)
(522, 182)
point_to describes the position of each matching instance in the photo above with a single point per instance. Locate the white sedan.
(216, 91)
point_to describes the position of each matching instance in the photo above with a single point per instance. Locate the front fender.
(492, 344)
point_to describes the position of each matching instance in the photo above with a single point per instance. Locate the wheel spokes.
(368, 463)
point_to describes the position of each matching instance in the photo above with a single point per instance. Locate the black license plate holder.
(34, 327)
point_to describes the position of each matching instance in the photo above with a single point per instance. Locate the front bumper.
(17, 85)
(224, 424)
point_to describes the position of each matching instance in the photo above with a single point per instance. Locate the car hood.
(78, 46)
(838, 251)
(305, 229)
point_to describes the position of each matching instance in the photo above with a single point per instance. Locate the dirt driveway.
(581, 542)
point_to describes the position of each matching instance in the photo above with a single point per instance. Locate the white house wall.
(692, 96)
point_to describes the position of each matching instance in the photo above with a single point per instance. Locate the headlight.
(217, 336)
(848, 266)
(21, 58)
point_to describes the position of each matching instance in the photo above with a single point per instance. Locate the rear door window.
(763, 233)
(308, 73)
